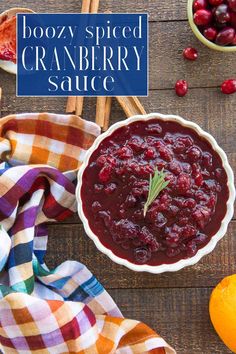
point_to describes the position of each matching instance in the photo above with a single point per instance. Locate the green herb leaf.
(156, 184)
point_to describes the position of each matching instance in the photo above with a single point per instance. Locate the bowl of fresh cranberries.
(214, 23)
(155, 193)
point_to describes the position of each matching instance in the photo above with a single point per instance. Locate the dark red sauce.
(184, 216)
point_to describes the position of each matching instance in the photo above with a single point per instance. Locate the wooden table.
(174, 304)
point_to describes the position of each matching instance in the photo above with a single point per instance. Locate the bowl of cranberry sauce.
(184, 221)
(214, 23)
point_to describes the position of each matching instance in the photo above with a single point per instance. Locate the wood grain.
(71, 242)
(158, 10)
(179, 315)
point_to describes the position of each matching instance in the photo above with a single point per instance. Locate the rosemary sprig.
(156, 184)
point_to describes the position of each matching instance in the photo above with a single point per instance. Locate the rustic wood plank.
(179, 315)
(70, 242)
(158, 10)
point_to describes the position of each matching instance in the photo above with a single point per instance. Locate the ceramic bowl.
(201, 252)
(200, 36)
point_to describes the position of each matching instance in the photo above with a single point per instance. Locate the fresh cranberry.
(222, 14)
(105, 173)
(199, 4)
(181, 88)
(232, 5)
(190, 53)
(216, 2)
(229, 86)
(225, 36)
(210, 33)
(194, 154)
(183, 183)
(142, 255)
(202, 17)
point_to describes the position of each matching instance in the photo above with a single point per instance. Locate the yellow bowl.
(200, 36)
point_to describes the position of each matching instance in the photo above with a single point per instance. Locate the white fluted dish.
(173, 267)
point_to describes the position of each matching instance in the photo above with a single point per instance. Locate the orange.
(223, 311)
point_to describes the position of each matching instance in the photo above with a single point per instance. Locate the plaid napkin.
(64, 310)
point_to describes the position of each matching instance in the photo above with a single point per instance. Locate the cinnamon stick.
(94, 5)
(131, 105)
(100, 111)
(107, 113)
(90, 6)
(85, 6)
(71, 104)
(79, 105)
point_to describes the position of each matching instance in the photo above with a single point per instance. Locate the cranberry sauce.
(185, 215)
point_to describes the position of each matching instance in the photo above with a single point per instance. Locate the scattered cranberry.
(210, 33)
(229, 86)
(181, 88)
(202, 17)
(232, 5)
(190, 53)
(225, 36)
(222, 14)
(199, 4)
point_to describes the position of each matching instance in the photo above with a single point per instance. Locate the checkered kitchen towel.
(65, 310)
